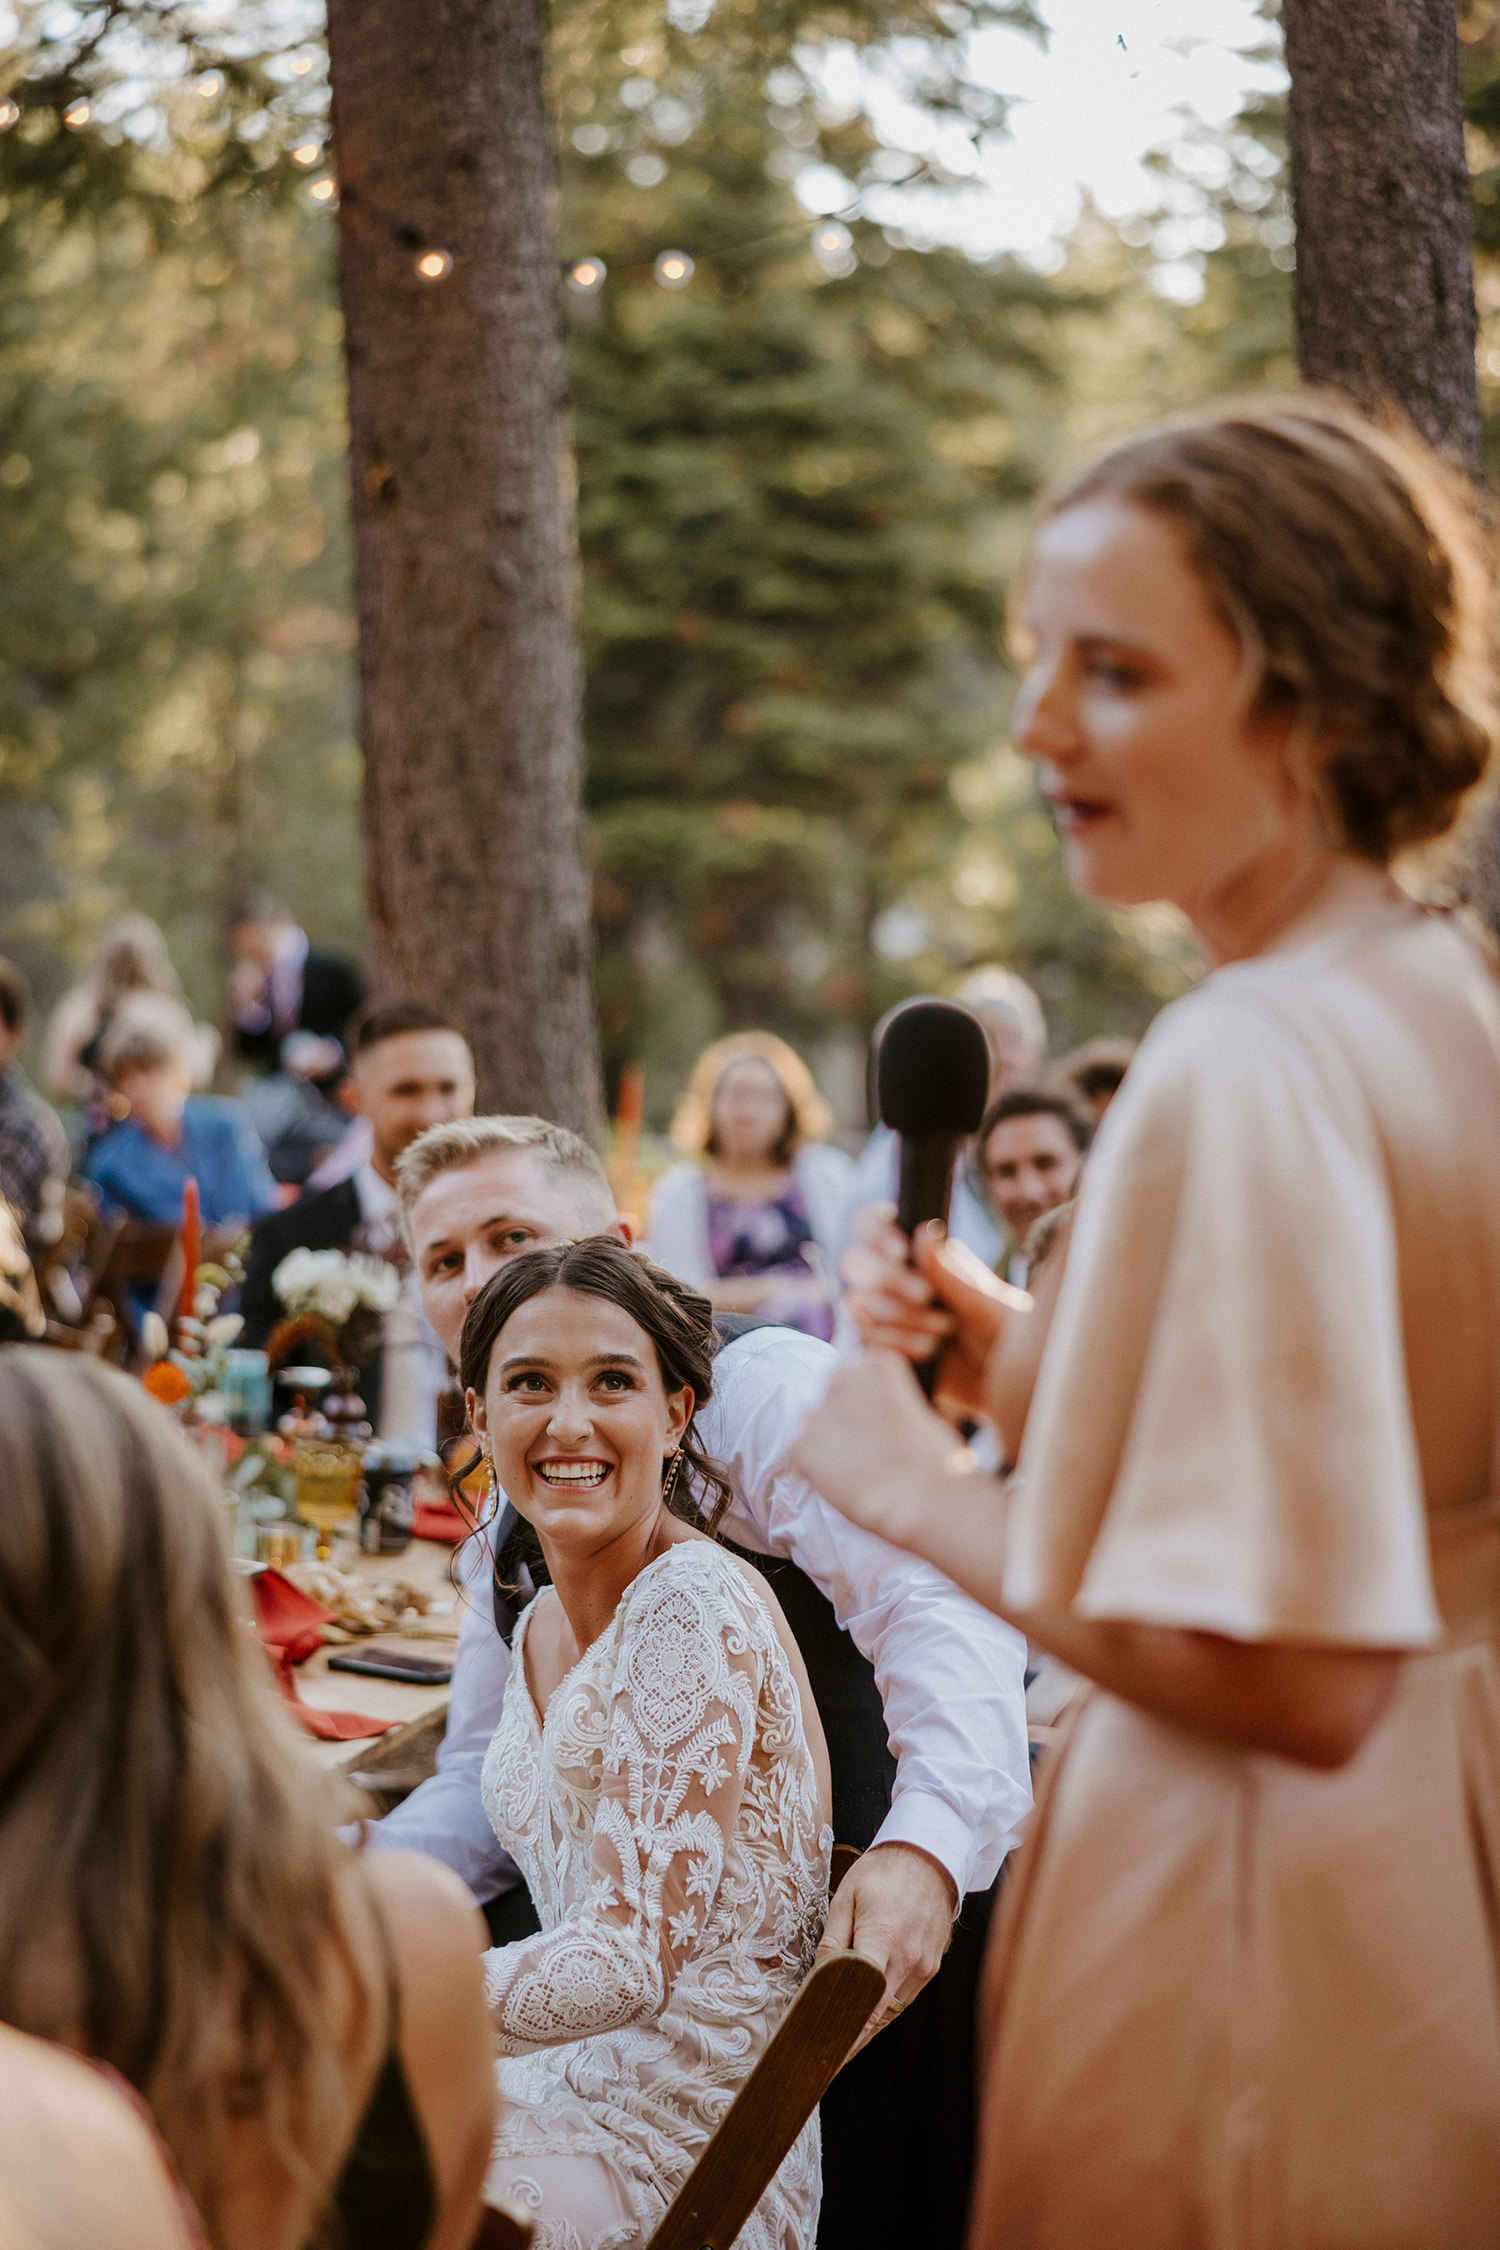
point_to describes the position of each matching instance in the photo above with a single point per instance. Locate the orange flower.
(166, 1383)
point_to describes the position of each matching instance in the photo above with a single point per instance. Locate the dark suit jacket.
(332, 990)
(314, 1222)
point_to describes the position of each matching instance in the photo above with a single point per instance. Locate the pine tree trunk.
(469, 677)
(1385, 243)
(1380, 189)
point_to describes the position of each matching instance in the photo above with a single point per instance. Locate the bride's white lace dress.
(666, 1819)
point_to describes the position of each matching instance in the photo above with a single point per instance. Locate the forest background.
(803, 484)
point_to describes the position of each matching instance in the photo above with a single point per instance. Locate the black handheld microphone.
(932, 1077)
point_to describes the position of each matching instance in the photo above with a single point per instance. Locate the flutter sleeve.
(680, 1732)
(1221, 1436)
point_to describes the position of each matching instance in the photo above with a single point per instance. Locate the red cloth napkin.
(439, 1520)
(290, 1624)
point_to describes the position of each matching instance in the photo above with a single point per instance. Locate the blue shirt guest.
(139, 1166)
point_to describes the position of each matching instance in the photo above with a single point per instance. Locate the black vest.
(843, 1680)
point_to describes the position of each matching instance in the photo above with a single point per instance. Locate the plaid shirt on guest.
(33, 1146)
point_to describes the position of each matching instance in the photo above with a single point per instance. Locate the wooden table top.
(425, 1565)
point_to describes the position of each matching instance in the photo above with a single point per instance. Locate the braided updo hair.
(1347, 560)
(679, 1323)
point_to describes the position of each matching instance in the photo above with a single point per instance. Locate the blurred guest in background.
(132, 958)
(306, 2024)
(1016, 1032)
(1092, 1074)
(34, 1155)
(1013, 1023)
(753, 1219)
(1030, 1152)
(139, 1165)
(280, 984)
(302, 1109)
(411, 1070)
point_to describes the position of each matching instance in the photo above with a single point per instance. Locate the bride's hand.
(946, 1301)
(875, 1448)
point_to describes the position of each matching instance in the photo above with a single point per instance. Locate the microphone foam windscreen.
(932, 1071)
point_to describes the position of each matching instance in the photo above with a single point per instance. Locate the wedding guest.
(168, 1133)
(1030, 1150)
(659, 1769)
(753, 1217)
(281, 983)
(299, 1109)
(34, 1155)
(306, 2024)
(1091, 1075)
(1248, 1988)
(133, 957)
(1014, 1024)
(80, 2168)
(1016, 1032)
(921, 1695)
(412, 1069)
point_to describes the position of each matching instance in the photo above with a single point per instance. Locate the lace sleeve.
(681, 1729)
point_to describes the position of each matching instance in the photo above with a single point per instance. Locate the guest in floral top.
(753, 1219)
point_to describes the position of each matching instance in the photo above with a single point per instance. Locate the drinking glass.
(327, 1488)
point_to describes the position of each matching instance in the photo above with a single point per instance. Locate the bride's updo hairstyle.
(677, 1320)
(1347, 561)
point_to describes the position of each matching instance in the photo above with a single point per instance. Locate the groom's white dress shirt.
(951, 1676)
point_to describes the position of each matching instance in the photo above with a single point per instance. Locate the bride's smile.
(581, 1425)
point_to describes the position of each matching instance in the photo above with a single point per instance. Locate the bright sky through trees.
(1114, 80)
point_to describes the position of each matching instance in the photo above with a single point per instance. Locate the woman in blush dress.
(658, 1773)
(754, 1219)
(1245, 1993)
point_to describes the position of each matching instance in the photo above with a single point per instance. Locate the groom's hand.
(896, 1907)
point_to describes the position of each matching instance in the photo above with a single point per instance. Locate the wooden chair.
(771, 2108)
(502, 2230)
(138, 1253)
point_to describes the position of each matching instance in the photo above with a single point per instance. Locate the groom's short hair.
(467, 1140)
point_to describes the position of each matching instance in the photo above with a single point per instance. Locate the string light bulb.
(77, 114)
(586, 278)
(434, 265)
(301, 65)
(9, 114)
(323, 191)
(210, 85)
(673, 269)
(307, 152)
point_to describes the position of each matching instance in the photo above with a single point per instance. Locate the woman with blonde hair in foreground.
(308, 2029)
(1245, 1992)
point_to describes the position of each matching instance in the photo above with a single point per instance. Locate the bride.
(659, 1772)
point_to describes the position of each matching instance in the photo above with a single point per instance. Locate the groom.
(920, 1669)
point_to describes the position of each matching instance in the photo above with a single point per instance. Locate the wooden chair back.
(140, 1252)
(795, 2072)
(502, 2230)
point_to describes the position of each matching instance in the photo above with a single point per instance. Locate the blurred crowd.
(757, 1210)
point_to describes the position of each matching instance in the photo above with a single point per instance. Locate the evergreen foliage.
(803, 483)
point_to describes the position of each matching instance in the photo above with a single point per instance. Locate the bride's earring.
(673, 1477)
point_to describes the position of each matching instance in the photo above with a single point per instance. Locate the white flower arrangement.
(332, 1285)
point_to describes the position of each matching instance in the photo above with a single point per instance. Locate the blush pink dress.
(1235, 2003)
